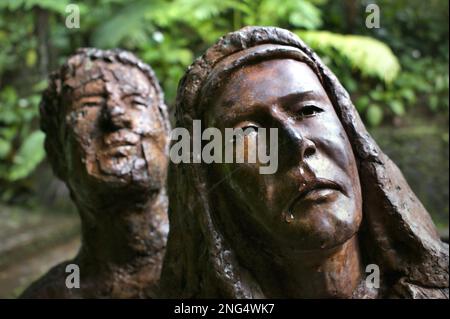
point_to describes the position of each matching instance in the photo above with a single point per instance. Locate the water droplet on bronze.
(289, 217)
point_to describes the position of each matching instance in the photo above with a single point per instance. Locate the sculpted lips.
(122, 143)
(314, 191)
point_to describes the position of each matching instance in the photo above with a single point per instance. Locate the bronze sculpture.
(335, 205)
(107, 129)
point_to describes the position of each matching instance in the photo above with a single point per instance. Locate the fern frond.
(371, 57)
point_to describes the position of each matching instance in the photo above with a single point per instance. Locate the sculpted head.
(106, 124)
(313, 200)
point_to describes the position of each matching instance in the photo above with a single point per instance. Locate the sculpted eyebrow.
(242, 114)
(94, 91)
(297, 96)
(138, 94)
(81, 96)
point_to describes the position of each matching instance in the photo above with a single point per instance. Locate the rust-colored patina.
(107, 138)
(335, 205)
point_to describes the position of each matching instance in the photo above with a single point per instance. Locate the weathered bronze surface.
(335, 205)
(107, 137)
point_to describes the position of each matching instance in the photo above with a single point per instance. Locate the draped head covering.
(397, 232)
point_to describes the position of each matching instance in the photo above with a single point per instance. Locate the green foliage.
(425, 79)
(372, 58)
(169, 58)
(50, 5)
(422, 82)
(21, 146)
(294, 13)
(28, 156)
(417, 32)
(415, 25)
(126, 23)
(12, 35)
(186, 27)
(374, 115)
(169, 34)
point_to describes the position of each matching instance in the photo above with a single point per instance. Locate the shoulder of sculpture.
(49, 286)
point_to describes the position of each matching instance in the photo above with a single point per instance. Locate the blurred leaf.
(362, 103)
(377, 95)
(305, 15)
(374, 115)
(40, 86)
(8, 95)
(128, 20)
(397, 107)
(8, 133)
(29, 155)
(31, 58)
(408, 95)
(433, 102)
(5, 148)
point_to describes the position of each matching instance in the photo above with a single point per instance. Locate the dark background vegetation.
(397, 75)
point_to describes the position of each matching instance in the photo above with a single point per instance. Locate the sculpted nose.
(116, 110)
(304, 147)
(307, 148)
(116, 116)
(296, 146)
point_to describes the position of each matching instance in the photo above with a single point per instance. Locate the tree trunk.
(351, 12)
(42, 34)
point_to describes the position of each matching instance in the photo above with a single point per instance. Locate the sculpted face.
(114, 130)
(313, 201)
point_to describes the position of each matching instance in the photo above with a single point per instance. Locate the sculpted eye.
(249, 129)
(138, 101)
(92, 104)
(309, 111)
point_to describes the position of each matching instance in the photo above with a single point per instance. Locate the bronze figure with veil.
(336, 204)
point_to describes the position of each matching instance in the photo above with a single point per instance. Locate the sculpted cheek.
(333, 143)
